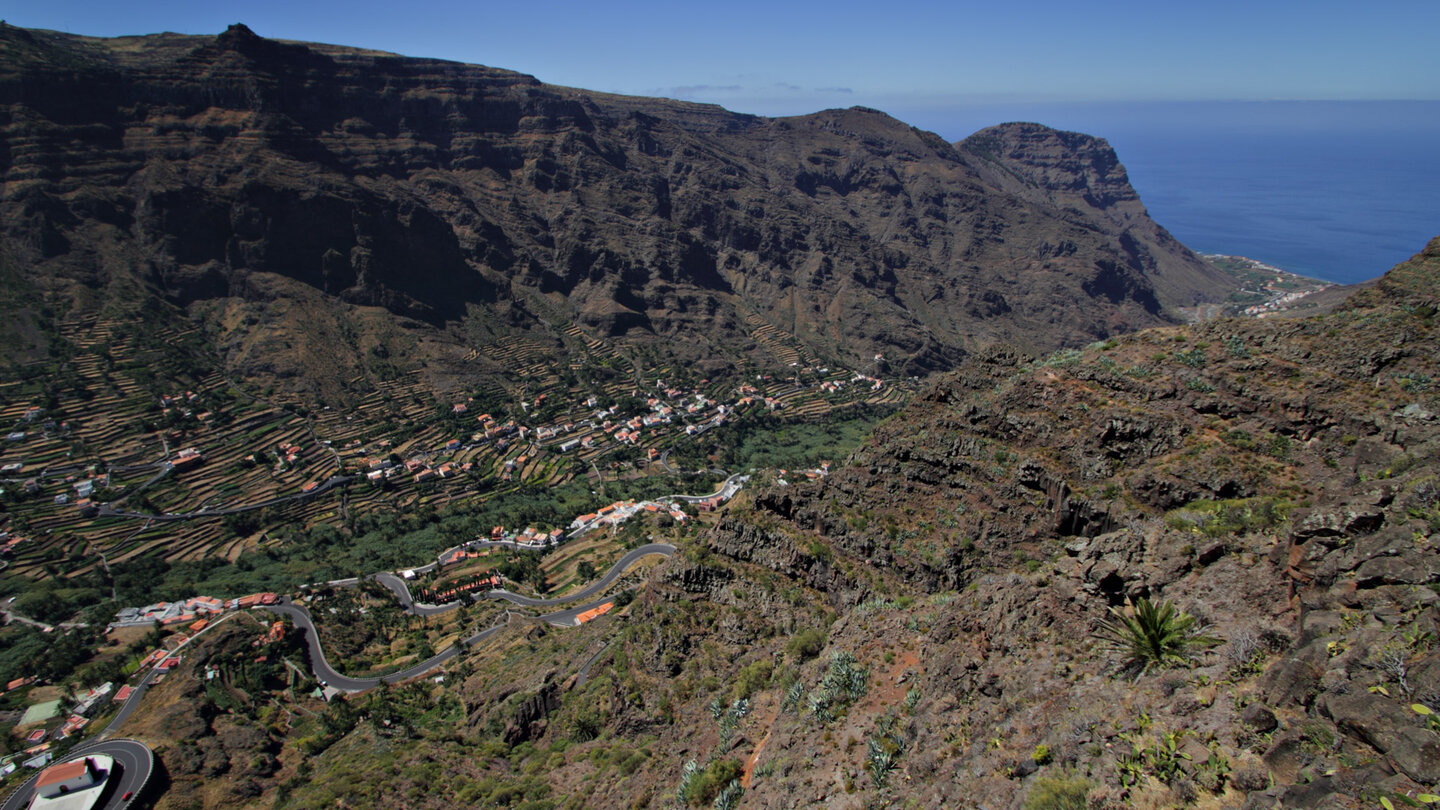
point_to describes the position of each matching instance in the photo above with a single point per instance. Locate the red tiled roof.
(61, 773)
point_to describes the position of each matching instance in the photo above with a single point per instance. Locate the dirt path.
(748, 774)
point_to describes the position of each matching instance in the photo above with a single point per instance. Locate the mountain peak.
(237, 36)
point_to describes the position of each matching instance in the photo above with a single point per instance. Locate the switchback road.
(328, 675)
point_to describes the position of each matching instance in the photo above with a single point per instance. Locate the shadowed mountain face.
(239, 169)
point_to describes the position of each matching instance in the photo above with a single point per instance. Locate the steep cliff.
(238, 170)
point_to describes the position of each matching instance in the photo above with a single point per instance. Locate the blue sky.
(940, 65)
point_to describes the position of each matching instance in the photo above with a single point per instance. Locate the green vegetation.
(1057, 793)
(1155, 637)
(753, 677)
(761, 440)
(805, 644)
(700, 786)
(844, 683)
(1161, 760)
(882, 750)
(25, 651)
(1225, 518)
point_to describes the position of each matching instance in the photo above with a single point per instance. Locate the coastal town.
(1266, 291)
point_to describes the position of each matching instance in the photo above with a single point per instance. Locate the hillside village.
(118, 470)
(120, 465)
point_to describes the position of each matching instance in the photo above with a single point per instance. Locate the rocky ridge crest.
(227, 173)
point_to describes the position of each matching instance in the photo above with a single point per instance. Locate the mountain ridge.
(231, 168)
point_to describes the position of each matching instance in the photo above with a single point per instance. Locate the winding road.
(133, 763)
(328, 675)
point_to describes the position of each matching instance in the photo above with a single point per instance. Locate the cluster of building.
(83, 487)
(1279, 302)
(287, 455)
(621, 511)
(51, 428)
(194, 609)
(77, 718)
(377, 470)
(454, 593)
(700, 413)
(458, 555)
(37, 755)
(274, 634)
(9, 542)
(181, 402)
(529, 537)
(810, 475)
(87, 701)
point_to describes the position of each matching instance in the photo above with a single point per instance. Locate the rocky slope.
(241, 176)
(1276, 479)
(920, 628)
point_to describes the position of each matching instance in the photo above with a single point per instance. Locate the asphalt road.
(326, 673)
(131, 703)
(616, 571)
(133, 763)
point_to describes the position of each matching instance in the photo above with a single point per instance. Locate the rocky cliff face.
(234, 168)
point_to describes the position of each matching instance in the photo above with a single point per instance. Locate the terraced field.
(122, 416)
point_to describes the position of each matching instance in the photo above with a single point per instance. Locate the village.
(49, 721)
(139, 470)
(213, 455)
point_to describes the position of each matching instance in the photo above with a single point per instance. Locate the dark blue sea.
(1339, 207)
(1339, 191)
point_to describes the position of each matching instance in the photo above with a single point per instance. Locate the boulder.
(1211, 552)
(1327, 525)
(1291, 681)
(1391, 729)
(1379, 571)
(1285, 759)
(1258, 718)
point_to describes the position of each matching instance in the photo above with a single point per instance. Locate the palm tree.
(1156, 636)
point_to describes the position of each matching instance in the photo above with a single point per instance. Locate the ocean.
(1342, 207)
(1339, 191)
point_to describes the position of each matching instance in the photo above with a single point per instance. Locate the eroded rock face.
(529, 720)
(199, 165)
(1263, 475)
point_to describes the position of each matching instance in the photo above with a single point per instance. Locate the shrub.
(806, 644)
(699, 787)
(1155, 637)
(1057, 793)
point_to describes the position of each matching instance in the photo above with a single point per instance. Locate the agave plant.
(1154, 637)
(688, 775)
(729, 798)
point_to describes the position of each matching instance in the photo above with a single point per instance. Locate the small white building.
(74, 784)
